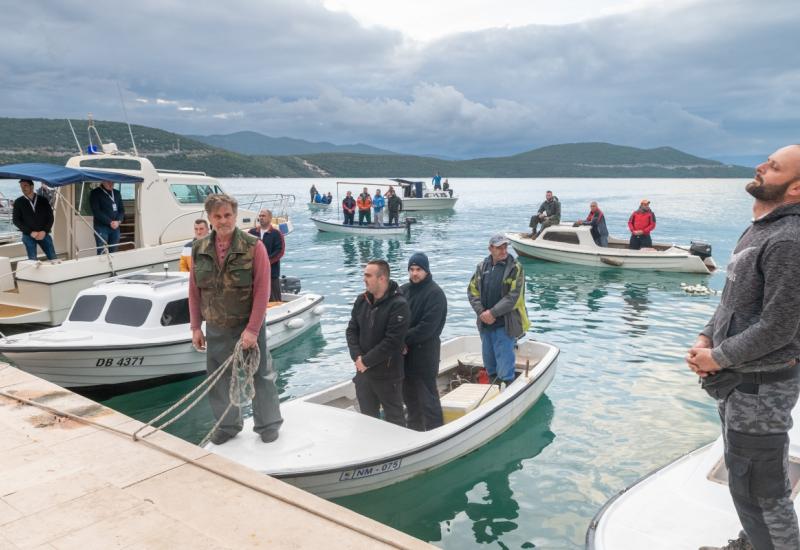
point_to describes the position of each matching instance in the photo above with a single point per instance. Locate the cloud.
(707, 76)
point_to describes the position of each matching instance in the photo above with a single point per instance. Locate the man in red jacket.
(641, 223)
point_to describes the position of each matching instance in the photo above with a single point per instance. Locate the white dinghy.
(334, 226)
(328, 448)
(574, 245)
(134, 328)
(685, 504)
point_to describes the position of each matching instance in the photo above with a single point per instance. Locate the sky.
(458, 79)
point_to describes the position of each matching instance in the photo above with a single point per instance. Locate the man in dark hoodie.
(549, 214)
(375, 337)
(747, 355)
(428, 306)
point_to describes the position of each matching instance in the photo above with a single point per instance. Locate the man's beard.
(768, 193)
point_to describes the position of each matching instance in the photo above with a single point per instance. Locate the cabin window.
(176, 313)
(111, 163)
(131, 312)
(127, 190)
(190, 193)
(87, 308)
(561, 237)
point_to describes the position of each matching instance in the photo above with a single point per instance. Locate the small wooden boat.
(317, 206)
(685, 504)
(575, 245)
(335, 226)
(329, 448)
(134, 328)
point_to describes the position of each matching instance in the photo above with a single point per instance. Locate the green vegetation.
(45, 140)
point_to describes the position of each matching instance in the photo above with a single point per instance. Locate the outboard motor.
(290, 285)
(700, 248)
(408, 222)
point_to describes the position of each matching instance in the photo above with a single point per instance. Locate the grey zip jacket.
(756, 326)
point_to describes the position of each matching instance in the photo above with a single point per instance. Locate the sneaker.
(733, 544)
(221, 437)
(269, 436)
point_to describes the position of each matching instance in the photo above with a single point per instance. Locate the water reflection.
(477, 486)
(635, 312)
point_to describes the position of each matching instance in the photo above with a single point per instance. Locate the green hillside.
(45, 140)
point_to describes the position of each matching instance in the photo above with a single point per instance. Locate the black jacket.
(275, 245)
(428, 306)
(103, 209)
(377, 331)
(27, 221)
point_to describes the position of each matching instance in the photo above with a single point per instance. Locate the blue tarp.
(55, 176)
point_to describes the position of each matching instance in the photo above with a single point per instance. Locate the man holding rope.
(228, 289)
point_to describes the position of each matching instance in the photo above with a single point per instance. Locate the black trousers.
(422, 401)
(275, 290)
(373, 393)
(348, 218)
(640, 241)
(394, 217)
(364, 216)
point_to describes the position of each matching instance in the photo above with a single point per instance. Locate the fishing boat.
(372, 230)
(565, 243)
(419, 196)
(319, 206)
(686, 504)
(327, 447)
(134, 328)
(160, 209)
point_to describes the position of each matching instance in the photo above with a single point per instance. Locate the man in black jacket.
(276, 246)
(108, 212)
(375, 337)
(33, 216)
(428, 306)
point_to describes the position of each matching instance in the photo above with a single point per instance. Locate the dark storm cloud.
(710, 77)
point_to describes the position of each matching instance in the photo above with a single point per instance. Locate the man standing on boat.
(378, 203)
(349, 208)
(437, 182)
(428, 306)
(549, 214)
(497, 294)
(394, 205)
(275, 245)
(641, 223)
(364, 204)
(375, 337)
(200, 231)
(313, 192)
(228, 289)
(33, 216)
(748, 352)
(108, 212)
(597, 221)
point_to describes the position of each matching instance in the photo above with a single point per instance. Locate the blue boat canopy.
(55, 176)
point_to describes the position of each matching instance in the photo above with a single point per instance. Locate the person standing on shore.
(747, 355)
(641, 223)
(228, 289)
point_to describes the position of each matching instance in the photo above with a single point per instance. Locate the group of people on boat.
(439, 185)
(366, 204)
(319, 198)
(32, 214)
(640, 223)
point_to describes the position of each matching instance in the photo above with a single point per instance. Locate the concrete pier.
(68, 485)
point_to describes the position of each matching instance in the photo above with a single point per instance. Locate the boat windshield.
(87, 308)
(193, 193)
(131, 312)
(176, 313)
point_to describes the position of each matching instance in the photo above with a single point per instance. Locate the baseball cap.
(498, 239)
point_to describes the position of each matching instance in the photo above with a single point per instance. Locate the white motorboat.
(160, 208)
(335, 226)
(685, 504)
(278, 203)
(328, 448)
(317, 206)
(427, 199)
(574, 245)
(134, 328)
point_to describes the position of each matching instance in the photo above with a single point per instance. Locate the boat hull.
(427, 204)
(677, 262)
(368, 230)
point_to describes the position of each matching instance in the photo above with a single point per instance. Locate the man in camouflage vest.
(747, 357)
(228, 289)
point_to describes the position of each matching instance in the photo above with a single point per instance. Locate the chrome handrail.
(192, 213)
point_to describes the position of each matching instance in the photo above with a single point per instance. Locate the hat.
(420, 260)
(498, 239)
(645, 201)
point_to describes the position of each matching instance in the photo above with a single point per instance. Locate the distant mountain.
(253, 143)
(46, 140)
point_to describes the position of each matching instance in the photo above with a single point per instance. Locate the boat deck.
(67, 484)
(7, 310)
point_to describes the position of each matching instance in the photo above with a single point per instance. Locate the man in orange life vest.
(641, 223)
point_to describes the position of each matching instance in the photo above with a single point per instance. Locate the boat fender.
(611, 261)
(319, 310)
(295, 323)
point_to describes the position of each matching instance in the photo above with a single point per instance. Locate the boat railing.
(278, 203)
(187, 172)
(176, 218)
(144, 277)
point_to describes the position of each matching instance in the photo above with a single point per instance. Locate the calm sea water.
(622, 402)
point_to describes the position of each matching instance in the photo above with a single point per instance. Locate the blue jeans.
(110, 236)
(46, 245)
(498, 353)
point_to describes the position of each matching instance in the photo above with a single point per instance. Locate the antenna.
(96, 133)
(125, 112)
(78, 143)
